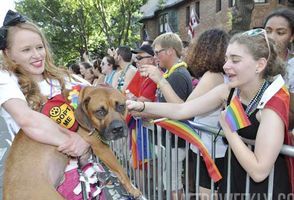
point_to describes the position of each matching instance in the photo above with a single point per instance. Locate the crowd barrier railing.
(153, 159)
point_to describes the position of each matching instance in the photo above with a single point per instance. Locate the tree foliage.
(241, 15)
(74, 26)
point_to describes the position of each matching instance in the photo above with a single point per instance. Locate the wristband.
(143, 107)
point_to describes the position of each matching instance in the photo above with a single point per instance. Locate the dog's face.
(104, 109)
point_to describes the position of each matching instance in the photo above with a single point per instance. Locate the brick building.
(161, 16)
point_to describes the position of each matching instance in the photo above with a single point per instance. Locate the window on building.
(173, 20)
(218, 5)
(260, 1)
(282, 2)
(187, 15)
(197, 9)
(231, 3)
(162, 23)
(168, 22)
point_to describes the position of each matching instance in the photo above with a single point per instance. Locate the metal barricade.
(148, 177)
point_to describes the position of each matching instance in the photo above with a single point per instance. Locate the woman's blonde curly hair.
(28, 86)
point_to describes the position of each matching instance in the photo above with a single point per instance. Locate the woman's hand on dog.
(75, 145)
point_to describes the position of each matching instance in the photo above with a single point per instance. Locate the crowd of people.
(157, 80)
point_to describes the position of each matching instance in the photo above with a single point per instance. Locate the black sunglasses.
(142, 57)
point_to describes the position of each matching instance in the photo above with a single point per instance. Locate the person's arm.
(111, 51)
(129, 76)
(186, 110)
(168, 92)
(155, 74)
(77, 78)
(208, 81)
(269, 140)
(86, 57)
(42, 129)
(101, 79)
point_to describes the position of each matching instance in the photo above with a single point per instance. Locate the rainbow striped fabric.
(187, 133)
(236, 116)
(285, 90)
(134, 148)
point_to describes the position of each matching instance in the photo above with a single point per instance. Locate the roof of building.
(152, 6)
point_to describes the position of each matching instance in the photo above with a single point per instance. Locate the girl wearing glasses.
(250, 67)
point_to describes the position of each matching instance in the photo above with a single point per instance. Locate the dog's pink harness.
(71, 188)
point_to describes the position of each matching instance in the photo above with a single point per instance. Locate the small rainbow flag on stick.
(236, 116)
(184, 131)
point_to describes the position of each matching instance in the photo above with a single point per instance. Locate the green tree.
(74, 26)
(119, 20)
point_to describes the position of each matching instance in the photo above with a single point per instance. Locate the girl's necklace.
(255, 100)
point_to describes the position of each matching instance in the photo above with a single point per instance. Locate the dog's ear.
(84, 92)
(82, 116)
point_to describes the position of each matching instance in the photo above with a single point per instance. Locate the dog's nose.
(117, 130)
(117, 127)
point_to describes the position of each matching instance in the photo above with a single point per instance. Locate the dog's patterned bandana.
(62, 112)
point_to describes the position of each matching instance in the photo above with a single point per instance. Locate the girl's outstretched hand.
(135, 105)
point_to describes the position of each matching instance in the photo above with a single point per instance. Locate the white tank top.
(211, 119)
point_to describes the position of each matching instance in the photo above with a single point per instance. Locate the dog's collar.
(97, 135)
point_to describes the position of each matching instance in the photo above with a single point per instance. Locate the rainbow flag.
(236, 116)
(137, 131)
(134, 148)
(131, 122)
(143, 148)
(187, 133)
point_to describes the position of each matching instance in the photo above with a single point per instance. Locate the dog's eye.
(101, 112)
(121, 108)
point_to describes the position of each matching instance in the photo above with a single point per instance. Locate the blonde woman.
(28, 79)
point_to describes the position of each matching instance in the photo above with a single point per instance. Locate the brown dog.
(33, 170)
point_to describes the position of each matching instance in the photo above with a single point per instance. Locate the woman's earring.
(256, 72)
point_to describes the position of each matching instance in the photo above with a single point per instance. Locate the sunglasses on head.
(256, 32)
(142, 57)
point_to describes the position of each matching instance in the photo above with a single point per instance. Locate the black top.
(181, 82)
(238, 174)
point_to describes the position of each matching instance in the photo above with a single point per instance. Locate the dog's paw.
(141, 198)
(135, 193)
